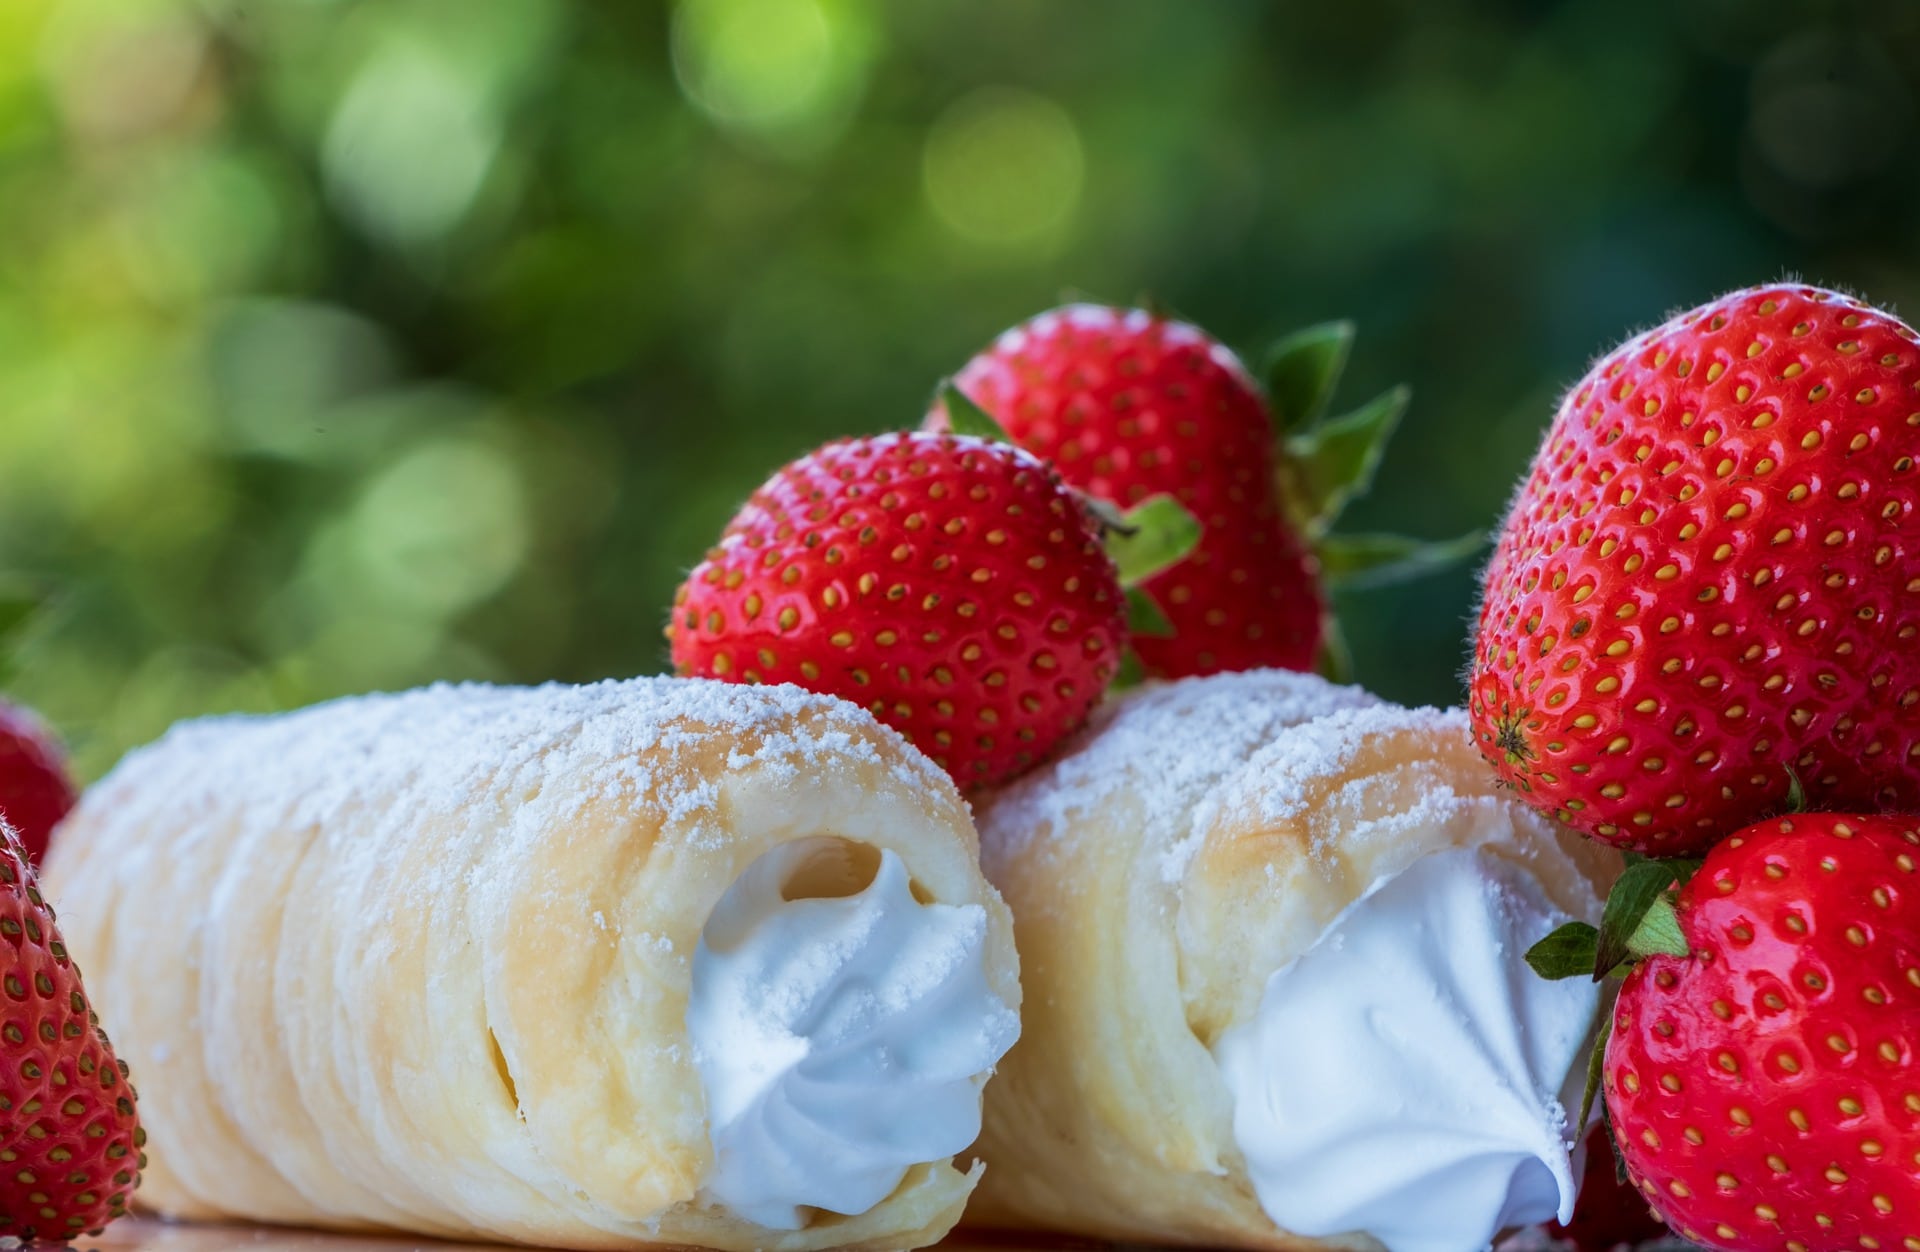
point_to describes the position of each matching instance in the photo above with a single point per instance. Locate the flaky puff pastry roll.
(658, 961)
(1271, 934)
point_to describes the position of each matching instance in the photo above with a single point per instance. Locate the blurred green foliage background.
(352, 345)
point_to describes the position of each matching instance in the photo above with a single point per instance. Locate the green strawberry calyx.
(1638, 921)
(1152, 536)
(1324, 463)
(1327, 462)
(964, 417)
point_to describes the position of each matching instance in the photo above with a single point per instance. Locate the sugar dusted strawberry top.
(1128, 405)
(1709, 578)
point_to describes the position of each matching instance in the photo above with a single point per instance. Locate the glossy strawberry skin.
(1128, 405)
(951, 585)
(36, 790)
(1608, 1213)
(1763, 1089)
(70, 1136)
(1709, 579)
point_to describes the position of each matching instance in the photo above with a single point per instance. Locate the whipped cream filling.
(1409, 1076)
(841, 1039)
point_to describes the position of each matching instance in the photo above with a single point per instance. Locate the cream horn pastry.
(1272, 935)
(647, 962)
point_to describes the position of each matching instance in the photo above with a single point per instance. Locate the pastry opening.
(505, 1074)
(830, 868)
(1403, 1075)
(842, 1024)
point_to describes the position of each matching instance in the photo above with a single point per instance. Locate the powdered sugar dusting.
(1292, 767)
(1289, 764)
(439, 748)
(1168, 745)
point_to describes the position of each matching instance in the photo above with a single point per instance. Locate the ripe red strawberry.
(70, 1136)
(1127, 405)
(1609, 1213)
(1708, 580)
(1763, 1089)
(35, 788)
(949, 583)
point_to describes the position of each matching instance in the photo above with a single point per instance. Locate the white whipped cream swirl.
(840, 1041)
(1408, 1076)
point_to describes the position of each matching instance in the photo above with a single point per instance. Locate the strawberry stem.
(1796, 793)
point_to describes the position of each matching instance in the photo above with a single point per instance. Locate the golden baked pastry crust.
(423, 961)
(1193, 840)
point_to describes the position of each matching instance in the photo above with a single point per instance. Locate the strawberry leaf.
(1130, 674)
(1596, 1066)
(1154, 535)
(1302, 371)
(1329, 465)
(1566, 953)
(1144, 616)
(1658, 933)
(964, 417)
(1358, 562)
(1633, 898)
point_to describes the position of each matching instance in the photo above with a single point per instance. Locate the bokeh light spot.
(409, 146)
(199, 223)
(1828, 110)
(442, 528)
(118, 72)
(279, 366)
(1003, 166)
(786, 69)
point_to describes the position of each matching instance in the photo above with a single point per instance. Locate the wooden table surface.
(145, 1234)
